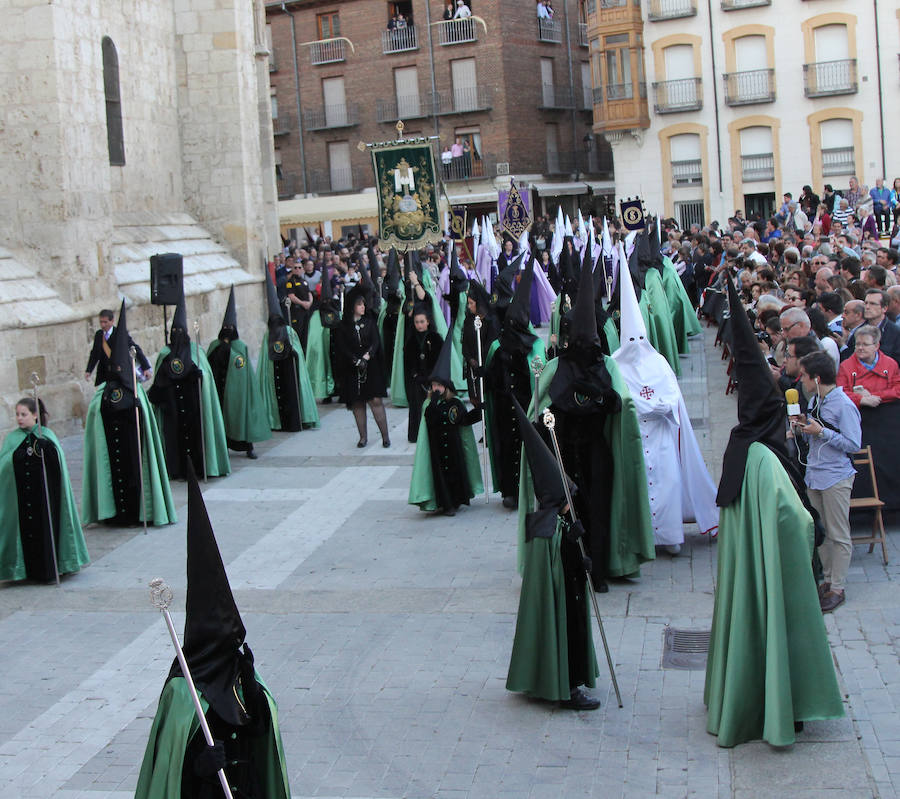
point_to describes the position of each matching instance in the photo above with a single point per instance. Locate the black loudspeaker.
(166, 276)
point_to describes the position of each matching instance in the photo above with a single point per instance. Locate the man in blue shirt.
(881, 205)
(832, 429)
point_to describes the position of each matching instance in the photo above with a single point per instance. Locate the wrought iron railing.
(734, 5)
(323, 181)
(328, 51)
(411, 106)
(825, 78)
(838, 161)
(399, 40)
(750, 86)
(623, 91)
(672, 96)
(460, 100)
(549, 30)
(687, 173)
(457, 31)
(331, 116)
(582, 34)
(671, 9)
(553, 96)
(465, 167)
(758, 166)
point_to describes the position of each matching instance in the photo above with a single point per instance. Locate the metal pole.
(161, 598)
(40, 453)
(137, 427)
(550, 424)
(200, 404)
(484, 434)
(537, 366)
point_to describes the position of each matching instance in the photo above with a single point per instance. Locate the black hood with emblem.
(118, 393)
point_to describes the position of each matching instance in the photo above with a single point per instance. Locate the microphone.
(792, 397)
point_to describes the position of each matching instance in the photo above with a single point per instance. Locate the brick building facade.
(515, 89)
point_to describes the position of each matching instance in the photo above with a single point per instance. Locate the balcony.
(827, 78)
(331, 116)
(461, 100)
(287, 186)
(617, 12)
(404, 107)
(673, 96)
(399, 40)
(621, 106)
(325, 181)
(624, 91)
(466, 169)
(549, 30)
(760, 166)
(280, 127)
(736, 5)
(749, 87)
(553, 96)
(687, 173)
(457, 31)
(661, 10)
(582, 34)
(328, 51)
(838, 161)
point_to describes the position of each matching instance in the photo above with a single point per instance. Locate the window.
(548, 97)
(681, 87)
(472, 159)
(757, 154)
(687, 165)
(115, 134)
(339, 166)
(586, 101)
(279, 171)
(749, 64)
(552, 137)
(335, 102)
(834, 69)
(838, 156)
(273, 99)
(618, 67)
(328, 25)
(406, 85)
(465, 87)
(272, 66)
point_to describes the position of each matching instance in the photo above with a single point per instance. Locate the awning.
(602, 186)
(559, 189)
(470, 198)
(306, 210)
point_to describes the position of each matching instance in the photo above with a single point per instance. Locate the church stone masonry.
(77, 231)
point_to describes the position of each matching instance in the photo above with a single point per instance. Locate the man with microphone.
(831, 427)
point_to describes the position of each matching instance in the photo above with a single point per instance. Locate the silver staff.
(137, 426)
(161, 598)
(537, 366)
(200, 402)
(39, 451)
(550, 424)
(484, 434)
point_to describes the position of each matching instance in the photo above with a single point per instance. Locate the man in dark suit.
(102, 349)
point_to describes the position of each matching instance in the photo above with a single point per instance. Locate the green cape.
(609, 329)
(173, 727)
(684, 317)
(398, 378)
(539, 664)
(318, 358)
(215, 446)
(631, 529)
(769, 662)
(309, 413)
(658, 319)
(382, 313)
(421, 487)
(97, 501)
(242, 406)
(71, 551)
(537, 351)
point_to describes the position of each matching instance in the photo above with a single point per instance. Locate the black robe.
(34, 521)
(360, 380)
(117, 410)
(507, 375)
(178, 398)
(420, 354)
(443, 418)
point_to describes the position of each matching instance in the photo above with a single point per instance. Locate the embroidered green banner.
(407, 196)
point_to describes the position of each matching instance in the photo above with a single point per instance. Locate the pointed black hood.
(279, 341)
(458, 280)
(120, 366)
(392, 276)
(505, 284)
(515, 335)
(583, 329)
(329, 310)
(634, 269)
(371, 276)
(229, 331)
(760, 406)
(545, 475)
(441, 372)
(213, 629)
(656, 261)
(179, 362)
(272, 302)
(478, 293)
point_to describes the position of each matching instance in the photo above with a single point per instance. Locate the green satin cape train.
(97, 501)
(243, 410)
(537, 351)
(630, 526)
(539, 664)
(309, 413)
(71, 550)
(215, 447)
(684, 317)
(318, 358)
(658, 319)
(421, 486)
(769, 661)
(173, 727)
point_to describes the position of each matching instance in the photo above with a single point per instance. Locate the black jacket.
(99, 359)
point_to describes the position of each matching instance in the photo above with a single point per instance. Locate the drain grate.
(685, 649)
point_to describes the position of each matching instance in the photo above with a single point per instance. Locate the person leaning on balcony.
(446, 160)
(462, 10)
(448, 12)
(542, 11)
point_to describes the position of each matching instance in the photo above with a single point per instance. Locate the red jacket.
(882, 381)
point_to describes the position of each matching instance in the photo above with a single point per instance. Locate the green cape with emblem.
(97, 500)
(215, 446)
(769, 662)
(309, 413)
(243, 410)
(318, 358)
(173, 727)
(71, 550)
(684, 318)
(421, 487)
(539, 665)
(658, 319)
(630, 528)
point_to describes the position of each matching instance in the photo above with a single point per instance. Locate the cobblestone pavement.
(385, 635)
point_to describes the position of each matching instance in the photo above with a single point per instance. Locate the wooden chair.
(873, 503)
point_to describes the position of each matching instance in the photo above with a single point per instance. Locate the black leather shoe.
(579, 700)
(385, 442)
(601, 586)
(510, 502)
(449, 511)
(252, 455)
(831, 600)
(362, 442)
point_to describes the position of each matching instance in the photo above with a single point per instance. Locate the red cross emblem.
(646, 392)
